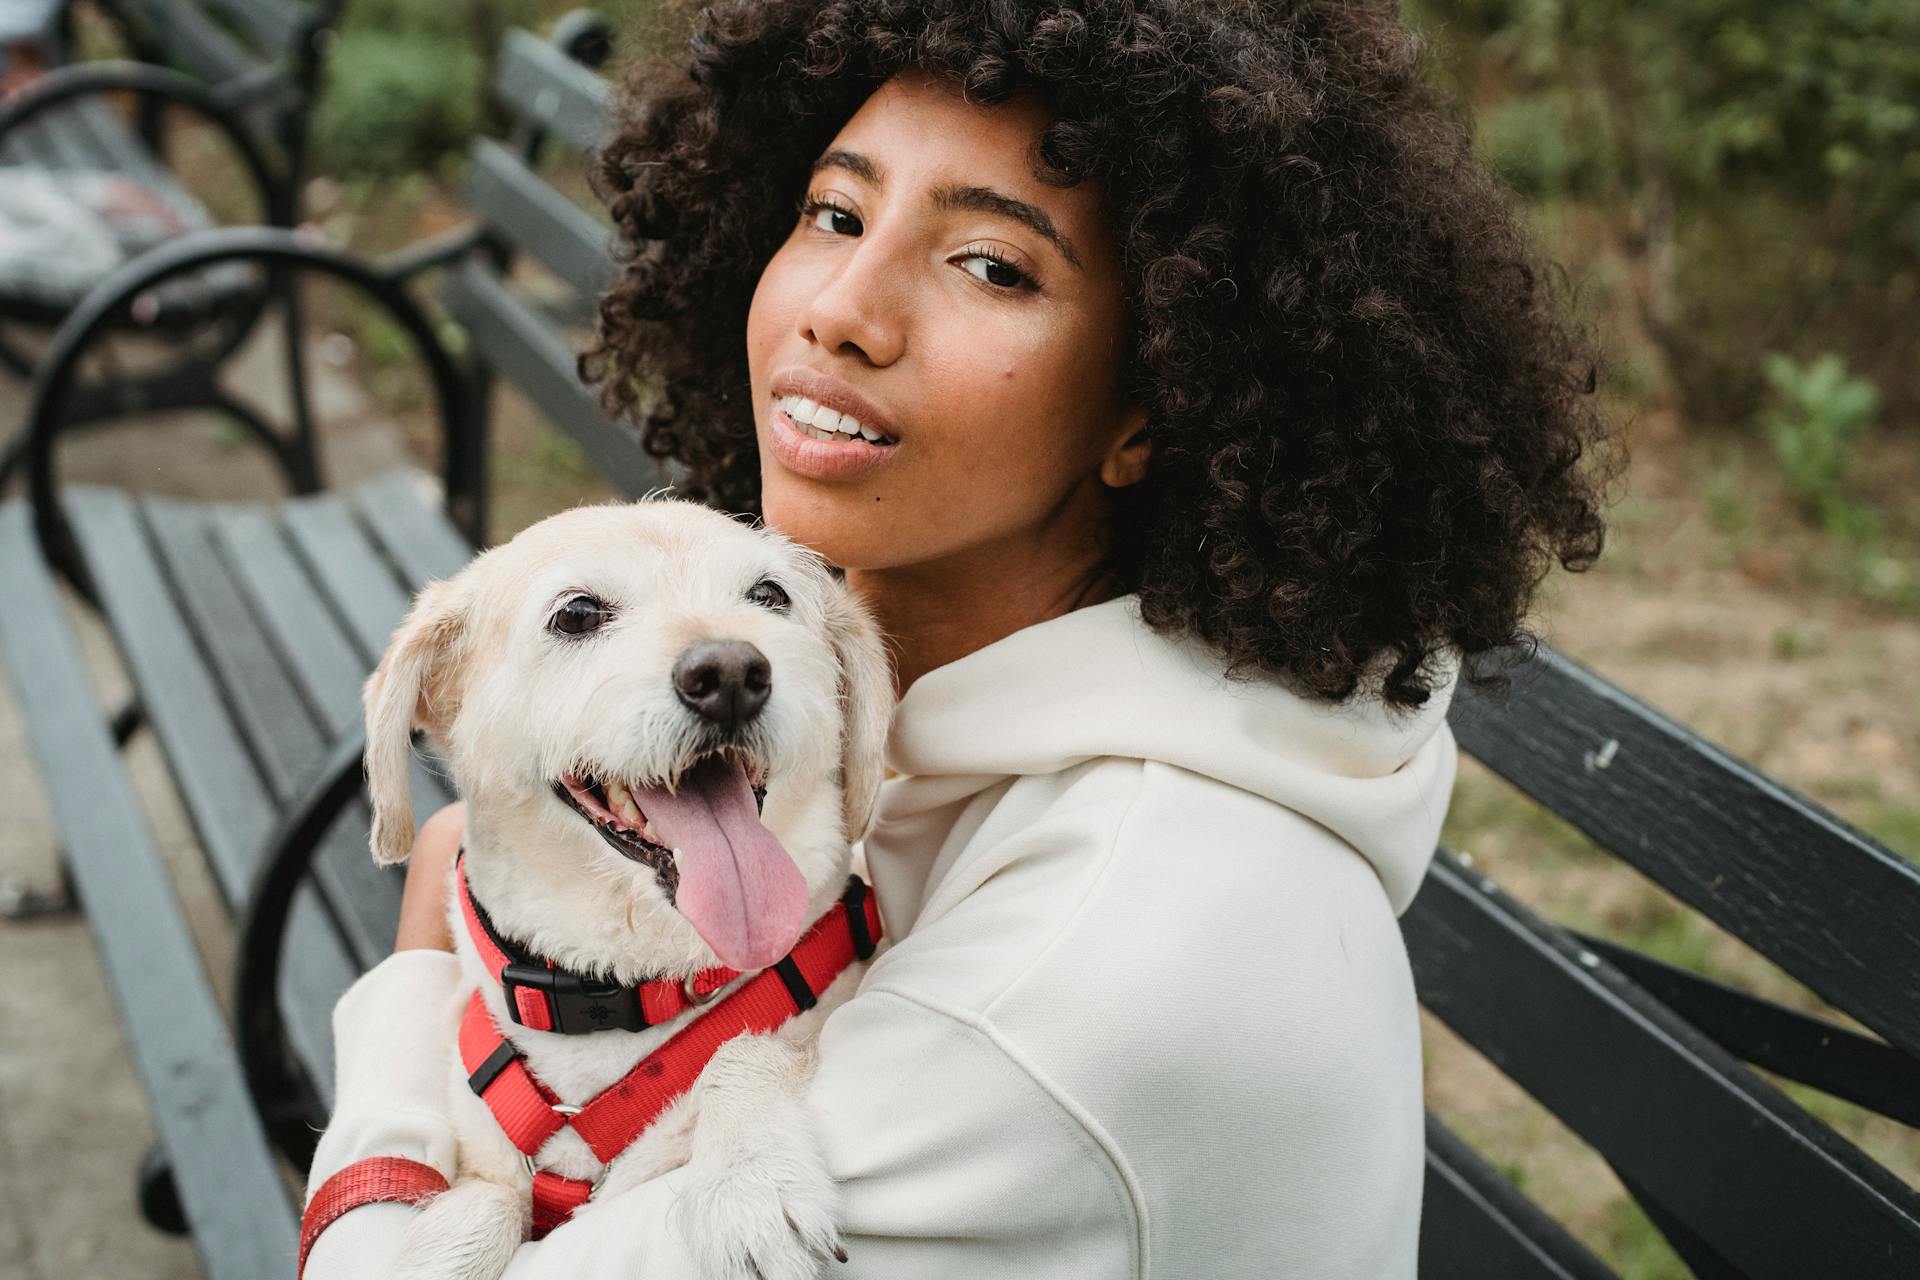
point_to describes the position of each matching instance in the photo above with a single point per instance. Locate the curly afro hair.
(1369, 413)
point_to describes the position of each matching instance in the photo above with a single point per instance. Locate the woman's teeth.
(826, 424)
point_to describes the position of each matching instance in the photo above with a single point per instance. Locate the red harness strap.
(375, 1180)
(540, 995)
(530, 1113)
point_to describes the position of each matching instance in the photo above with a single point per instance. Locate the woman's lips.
(803, 455)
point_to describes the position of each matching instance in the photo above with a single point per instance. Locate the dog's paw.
(758, 1201)
(742, 1224)
(468, 1232)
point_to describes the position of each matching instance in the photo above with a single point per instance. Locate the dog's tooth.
(616, 795)
(648, 833)
(630, 813)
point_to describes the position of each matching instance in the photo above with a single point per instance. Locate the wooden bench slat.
(1823, 901)
(1765, 1183)
(522, 346)
(274, 26)
(220, 783)
(360, 584)
(328, 669)
(413, 535)
(278, 726)
(282, 725)
(109, 137)
(526, 211)
(320, 657)
(544, 87)
(69, 139)
(189, 39)
(1814, 1051)
(1474, 1225)
(223, 1166)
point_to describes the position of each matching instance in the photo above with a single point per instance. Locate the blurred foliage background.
(1732, 188)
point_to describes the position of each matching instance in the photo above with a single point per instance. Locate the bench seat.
(247, 630)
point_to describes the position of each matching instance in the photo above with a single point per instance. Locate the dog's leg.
(468, 1232)
(666, 1144)
(759, 1202)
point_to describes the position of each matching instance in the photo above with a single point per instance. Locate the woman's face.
(966, 313)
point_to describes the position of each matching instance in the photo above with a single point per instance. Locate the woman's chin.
(847, 530)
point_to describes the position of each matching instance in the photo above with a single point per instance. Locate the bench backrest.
(531, 341)
(264, 56)
(222, 41)
(1647, 1062)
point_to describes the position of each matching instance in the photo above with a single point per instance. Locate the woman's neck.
(933, 614)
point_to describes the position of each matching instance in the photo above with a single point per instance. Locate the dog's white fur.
(515, 707)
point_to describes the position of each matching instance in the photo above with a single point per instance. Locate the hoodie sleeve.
(953, 1159)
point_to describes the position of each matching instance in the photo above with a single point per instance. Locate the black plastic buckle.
(575, 1005)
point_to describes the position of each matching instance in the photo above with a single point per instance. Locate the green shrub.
(1549, 144)
(396, 102)
(1769, 153)
(1818, 411)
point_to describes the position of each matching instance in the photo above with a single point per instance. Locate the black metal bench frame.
(1645, 1062)
(251, 70)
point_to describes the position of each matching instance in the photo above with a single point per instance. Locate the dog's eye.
(578, 616)
(769, 594)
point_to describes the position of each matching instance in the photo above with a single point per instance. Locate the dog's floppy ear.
(409, 689)
(866, 706)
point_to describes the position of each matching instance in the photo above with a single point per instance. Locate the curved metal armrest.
(282, 1093)
(94, 79)
(274, 249)
(585, 35)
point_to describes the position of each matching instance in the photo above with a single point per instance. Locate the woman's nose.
(860, 307)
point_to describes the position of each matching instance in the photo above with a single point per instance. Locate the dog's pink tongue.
(738, 888)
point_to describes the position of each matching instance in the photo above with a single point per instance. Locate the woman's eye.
(836, 220)
(996, 271)
(578, 616)
(769, 594)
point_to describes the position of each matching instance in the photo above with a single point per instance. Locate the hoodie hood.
(1099, 682)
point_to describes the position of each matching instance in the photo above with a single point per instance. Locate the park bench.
(247, 631)
(250, 69)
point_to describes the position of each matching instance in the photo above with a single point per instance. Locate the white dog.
(666, 726)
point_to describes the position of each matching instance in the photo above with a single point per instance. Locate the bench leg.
(127, 721)
(21, 902)
(159, 1199)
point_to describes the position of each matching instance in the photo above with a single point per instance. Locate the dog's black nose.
(726, 681)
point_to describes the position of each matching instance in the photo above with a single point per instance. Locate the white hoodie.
(1148, 1012)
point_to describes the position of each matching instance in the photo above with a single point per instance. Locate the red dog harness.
(530, 1113)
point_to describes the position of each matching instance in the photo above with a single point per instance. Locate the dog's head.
(648, 705)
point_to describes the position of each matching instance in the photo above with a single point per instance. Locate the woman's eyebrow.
(976, 199)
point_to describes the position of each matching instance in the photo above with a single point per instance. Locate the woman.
(1221, 417)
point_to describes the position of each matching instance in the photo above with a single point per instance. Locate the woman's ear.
(866, 706)
(411, 688)
(1126, 462)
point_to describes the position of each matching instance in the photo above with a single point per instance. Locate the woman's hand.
(423, 904)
